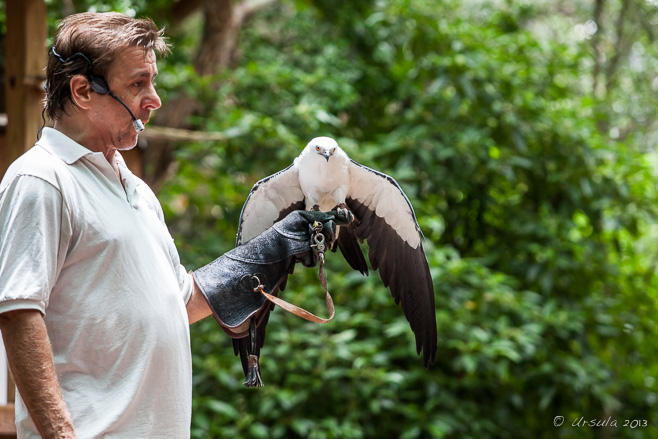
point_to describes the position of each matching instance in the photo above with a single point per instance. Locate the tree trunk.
(223, 20)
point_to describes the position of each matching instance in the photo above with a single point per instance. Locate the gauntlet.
(230, 283)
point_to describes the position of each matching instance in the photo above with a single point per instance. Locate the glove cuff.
(228, 283)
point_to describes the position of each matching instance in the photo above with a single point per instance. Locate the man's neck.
(80, 133)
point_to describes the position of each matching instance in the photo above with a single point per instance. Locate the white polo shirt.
(98, 262)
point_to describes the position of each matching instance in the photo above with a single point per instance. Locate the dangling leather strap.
(318, 248)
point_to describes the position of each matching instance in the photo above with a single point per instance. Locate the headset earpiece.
(99, 85)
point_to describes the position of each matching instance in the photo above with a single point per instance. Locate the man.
(94, 303)
(75, 224)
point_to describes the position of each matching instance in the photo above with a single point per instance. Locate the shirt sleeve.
(187, 284)
(34, 227)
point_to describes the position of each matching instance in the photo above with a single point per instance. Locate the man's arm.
(31, 363)
(197, 306)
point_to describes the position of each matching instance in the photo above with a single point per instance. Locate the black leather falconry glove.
(229, 282)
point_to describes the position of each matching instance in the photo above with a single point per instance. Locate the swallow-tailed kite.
(324, 178)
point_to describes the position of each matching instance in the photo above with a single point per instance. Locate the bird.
(324, 178)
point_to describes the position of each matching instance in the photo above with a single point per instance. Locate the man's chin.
(129, 142)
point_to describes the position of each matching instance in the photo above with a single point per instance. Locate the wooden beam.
(26, 58)
(7, 427)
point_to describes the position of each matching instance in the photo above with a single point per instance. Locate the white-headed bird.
(324, 178)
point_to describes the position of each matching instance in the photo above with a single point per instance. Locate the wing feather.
(269, 200)
(349, 246)
(388, 223)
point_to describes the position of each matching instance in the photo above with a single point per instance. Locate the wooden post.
(26, 59)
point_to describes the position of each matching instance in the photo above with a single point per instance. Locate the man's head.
(102, 38)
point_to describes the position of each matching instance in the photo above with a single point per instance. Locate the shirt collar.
(59, 144)
(62, 146)
(130, 182)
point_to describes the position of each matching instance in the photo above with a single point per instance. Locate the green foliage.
(531, 215)
(539, 225)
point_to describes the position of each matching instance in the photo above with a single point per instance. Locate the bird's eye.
(317, 148)
(333, 150)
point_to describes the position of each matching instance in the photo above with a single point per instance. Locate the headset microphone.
(99, 85)
(137, 123)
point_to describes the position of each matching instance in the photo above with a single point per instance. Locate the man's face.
(131, 78)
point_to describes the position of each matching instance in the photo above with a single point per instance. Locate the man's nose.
(152, 100)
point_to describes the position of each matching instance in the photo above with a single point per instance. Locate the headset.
(98, 84)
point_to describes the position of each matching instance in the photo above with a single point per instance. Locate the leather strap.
(301, 312)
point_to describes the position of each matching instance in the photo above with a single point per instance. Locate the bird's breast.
(321, 180)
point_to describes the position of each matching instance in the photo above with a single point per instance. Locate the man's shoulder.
(35, 162)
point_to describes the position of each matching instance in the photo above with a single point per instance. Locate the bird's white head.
(324, 146)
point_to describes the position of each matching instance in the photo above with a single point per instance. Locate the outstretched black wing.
(386, 220)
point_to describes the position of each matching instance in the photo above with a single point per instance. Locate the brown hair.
(100, 37)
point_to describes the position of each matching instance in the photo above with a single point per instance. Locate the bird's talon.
(344, 212)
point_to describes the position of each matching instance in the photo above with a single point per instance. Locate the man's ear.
(80, 91)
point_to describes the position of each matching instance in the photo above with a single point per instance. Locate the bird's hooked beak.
(325, 152)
